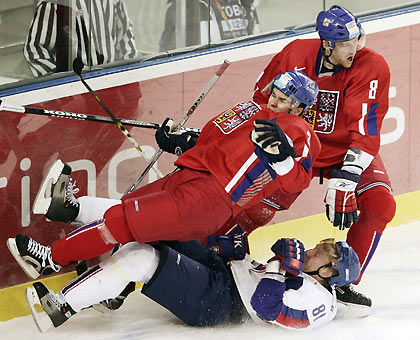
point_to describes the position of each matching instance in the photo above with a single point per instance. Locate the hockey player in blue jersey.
(293, 290)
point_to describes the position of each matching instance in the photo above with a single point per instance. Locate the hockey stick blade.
(78, 66)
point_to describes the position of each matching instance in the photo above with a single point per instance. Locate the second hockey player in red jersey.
(352, 102)
(241, 156)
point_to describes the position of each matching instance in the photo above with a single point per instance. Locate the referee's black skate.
(33, 257)
(54, 306)
(358, 302)
(55, 198)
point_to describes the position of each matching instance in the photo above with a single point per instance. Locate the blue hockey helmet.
(298, 86)
(347, 265)
(338, 24)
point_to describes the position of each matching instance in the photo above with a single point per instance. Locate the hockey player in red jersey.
(241, 156)
(352, 102)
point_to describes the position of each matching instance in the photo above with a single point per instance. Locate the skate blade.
(42, 320)
(101, 308)
(43, 198)
(26, 267)
(355, 311)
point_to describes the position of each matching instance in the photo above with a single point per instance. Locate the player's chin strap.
(327, 59)
(316, 272)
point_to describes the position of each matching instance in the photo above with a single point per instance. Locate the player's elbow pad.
(267, 300)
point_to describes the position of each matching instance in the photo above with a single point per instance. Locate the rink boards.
(105, 164)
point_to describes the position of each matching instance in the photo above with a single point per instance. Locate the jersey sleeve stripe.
(240, 173)
(372, 120)
(293, 317)
(248, 180)
(307, 164)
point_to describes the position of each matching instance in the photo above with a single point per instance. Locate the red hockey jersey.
(225, 150)
(351, 102)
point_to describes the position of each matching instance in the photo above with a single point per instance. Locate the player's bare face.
(279, 102)
(344, 52)
(317, 257)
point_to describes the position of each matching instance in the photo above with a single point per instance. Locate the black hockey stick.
(181, 123)
(83, 116)
(77, 68)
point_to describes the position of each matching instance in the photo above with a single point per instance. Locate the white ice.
(392, 281)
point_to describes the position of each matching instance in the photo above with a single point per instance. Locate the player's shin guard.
(377, 208)
(93, 239)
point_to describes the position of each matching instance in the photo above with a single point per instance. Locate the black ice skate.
(55, 198)
(357, 302)
(54, 305)
(117, 302)
(34, 258)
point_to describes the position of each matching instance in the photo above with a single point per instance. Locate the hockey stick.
(181, 123)
(83, 116)
(77, 68)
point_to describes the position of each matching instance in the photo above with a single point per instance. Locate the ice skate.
(54, 305)
(116, 303)
(33, 257)
(359, 304)
(55, 198)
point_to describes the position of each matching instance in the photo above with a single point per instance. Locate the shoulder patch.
(236, 116)
(323, 115)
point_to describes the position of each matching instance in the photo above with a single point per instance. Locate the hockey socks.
(133, 262)
(93, 239)
(93, 208)
(377, 208)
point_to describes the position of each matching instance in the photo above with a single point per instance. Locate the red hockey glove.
(340, 200)
(290, 252)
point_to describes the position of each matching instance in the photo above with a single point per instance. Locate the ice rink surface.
(392, 281)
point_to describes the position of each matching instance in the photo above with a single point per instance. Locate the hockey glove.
(290, 252)
(175, 142)
(340, 200)
(275, 144)
(232, 246)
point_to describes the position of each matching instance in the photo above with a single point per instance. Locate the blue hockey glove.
(340, 200)
(232, 246)
(174, 142)
(290, 252)
(268, 136)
